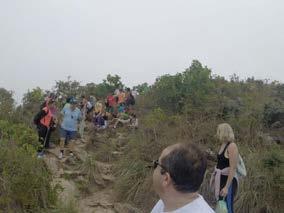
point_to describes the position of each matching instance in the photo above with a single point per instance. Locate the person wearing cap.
(69, 126)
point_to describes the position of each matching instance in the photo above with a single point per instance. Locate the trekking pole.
(45, 138)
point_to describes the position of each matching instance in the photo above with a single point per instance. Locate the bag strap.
(223, 152)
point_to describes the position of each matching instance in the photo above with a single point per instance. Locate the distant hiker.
(133, 121)
(122, 118)
(98, 114)
(90, 109)
(121, 108)
(129, 100)
(68, 131)
(134, 93)
(177, 177)
(92, 100)
(101, 119)
(116, 92)
(83, 107)
(110, 103)
(67, 102)
(45, 122)
(50, 96)
(121, 96)
(224, 177)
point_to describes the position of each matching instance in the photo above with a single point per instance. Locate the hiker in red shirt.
(110, 103)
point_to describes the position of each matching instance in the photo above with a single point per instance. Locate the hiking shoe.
(40, 155)
(60, 155)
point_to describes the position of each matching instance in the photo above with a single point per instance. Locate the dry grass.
(260, 190)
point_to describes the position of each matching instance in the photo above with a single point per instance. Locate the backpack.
(131, 100)
(241, 168)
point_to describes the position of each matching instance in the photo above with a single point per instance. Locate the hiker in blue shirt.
(69, 126)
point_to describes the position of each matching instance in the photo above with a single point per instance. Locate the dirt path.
(84, 180)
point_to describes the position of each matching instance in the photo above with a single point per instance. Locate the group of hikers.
(116, 109)
(180, 169)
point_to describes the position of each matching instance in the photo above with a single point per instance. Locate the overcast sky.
(46, 40)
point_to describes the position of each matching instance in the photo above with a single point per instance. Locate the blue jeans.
(231, 192)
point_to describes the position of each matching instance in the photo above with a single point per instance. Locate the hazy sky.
(46, 40)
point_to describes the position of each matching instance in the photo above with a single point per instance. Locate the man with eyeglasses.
(177, 177)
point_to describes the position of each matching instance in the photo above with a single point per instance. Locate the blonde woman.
(224, 177)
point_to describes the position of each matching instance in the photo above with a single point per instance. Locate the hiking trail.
(85, 181)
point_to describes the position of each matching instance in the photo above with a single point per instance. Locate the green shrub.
(24, 181)
(263, 186)
(19, 134)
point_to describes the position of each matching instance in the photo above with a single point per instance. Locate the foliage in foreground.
(24, 181)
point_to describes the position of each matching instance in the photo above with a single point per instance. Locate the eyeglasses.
(156, 164)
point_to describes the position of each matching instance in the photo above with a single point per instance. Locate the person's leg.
(116, 122)
(230, 196)
(42, 130)
(125, 121)
(63, 135)
(47, 139)
(122, 121)
(101, 121)
(82, 128)
(71, 141)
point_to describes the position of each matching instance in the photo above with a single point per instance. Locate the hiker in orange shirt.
(121, 96)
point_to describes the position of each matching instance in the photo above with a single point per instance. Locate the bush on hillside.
(20, 135)
(24, 181)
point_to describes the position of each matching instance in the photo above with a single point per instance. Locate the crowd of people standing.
(116, 109)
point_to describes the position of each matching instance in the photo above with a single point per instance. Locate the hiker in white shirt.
(177, 177)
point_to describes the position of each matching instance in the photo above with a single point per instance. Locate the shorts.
(68, 135)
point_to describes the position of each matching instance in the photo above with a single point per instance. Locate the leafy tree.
(113, 81)
(6, 103)
(109, 85)
(197, 84)
(89, 89)
(68, 88)
(142, 88)
(32, 99)
(167, 92)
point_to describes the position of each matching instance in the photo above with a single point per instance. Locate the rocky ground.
(85, 181)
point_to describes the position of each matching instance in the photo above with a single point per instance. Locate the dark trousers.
(43, 135)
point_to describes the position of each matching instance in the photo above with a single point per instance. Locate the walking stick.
(45, 138)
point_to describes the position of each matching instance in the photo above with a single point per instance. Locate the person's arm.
(80, 115)
(233, 155)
